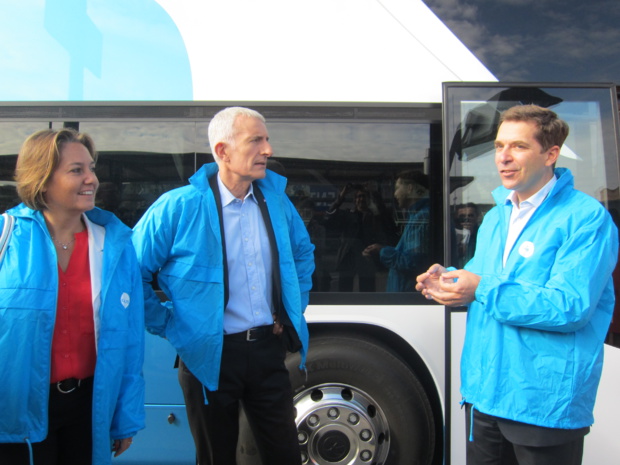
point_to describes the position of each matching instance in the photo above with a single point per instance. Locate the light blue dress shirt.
(249, 263)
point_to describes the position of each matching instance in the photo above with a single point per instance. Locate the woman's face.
(72, 187)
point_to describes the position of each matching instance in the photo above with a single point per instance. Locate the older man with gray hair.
(234, 257)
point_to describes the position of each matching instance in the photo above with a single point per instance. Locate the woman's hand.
(121, 445)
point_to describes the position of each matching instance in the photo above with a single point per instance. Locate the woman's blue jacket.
(28, 297)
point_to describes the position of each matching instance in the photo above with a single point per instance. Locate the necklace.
(63, 245)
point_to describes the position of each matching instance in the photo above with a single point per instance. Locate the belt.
(67, 386)
(251, 335)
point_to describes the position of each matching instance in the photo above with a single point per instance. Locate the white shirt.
(522, 212)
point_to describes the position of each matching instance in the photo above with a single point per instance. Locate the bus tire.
(360, 404)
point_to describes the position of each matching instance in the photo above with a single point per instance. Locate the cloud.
(532, 40)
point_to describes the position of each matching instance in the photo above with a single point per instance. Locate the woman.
(71, 314)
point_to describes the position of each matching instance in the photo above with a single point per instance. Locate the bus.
(353, 99)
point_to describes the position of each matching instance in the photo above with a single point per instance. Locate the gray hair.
(222, 126)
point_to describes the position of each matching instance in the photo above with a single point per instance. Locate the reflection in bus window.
(466, 223)
(357, 228)
(369, 225)
(409, 257)
(371, 234)
(12, 135)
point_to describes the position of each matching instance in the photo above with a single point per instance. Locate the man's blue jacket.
(533, 348)
(179, 238)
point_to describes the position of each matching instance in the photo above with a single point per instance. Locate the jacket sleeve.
(580, 273)
(411, 250)
(129, 412)
(152, 239)
(303, 253)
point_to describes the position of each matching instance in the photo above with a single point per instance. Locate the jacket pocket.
(25, 341)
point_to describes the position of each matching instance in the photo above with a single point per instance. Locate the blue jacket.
(534, 342)
(410, 256)
(28, 298)
(179, 237)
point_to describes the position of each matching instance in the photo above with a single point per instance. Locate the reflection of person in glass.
(410, 256)
(466, 221)
(307, 210)
(358, 228)
(71, 314)
(540, 296)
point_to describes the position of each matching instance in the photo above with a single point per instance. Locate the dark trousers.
(501, 442)
(252, 373)
(69, 439)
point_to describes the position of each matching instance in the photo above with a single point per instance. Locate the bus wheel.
(360, 404)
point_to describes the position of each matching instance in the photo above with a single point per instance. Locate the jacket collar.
(97, 216)
(564, 177)
(200, 180)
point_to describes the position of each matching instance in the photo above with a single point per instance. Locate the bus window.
(12, 135)
(362, 188)
(139, 161)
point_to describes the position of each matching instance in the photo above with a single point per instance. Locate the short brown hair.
(413, 177)
(39, 157)
(551, 129)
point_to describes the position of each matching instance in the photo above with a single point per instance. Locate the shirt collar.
(227, 197)
(535, 200)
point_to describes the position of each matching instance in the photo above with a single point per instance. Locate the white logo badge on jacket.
(526, 249)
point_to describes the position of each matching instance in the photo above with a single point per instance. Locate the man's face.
(361, 201)
(247, 156)
(403, 193)
(466, 217)
(522, 164)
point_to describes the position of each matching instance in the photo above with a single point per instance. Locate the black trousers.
(252, 373)
(69, 439)
(502, 442)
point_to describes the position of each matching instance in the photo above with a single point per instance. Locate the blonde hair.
(39, 157)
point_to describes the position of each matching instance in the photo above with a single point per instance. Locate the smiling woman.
(71, 299)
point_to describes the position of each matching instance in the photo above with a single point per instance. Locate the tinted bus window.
(362, 189)
(366, 186)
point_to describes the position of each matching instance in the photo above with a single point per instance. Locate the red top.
(73, 346)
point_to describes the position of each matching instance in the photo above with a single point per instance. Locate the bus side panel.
(602, 446)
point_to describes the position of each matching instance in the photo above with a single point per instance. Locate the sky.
(539, 40)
